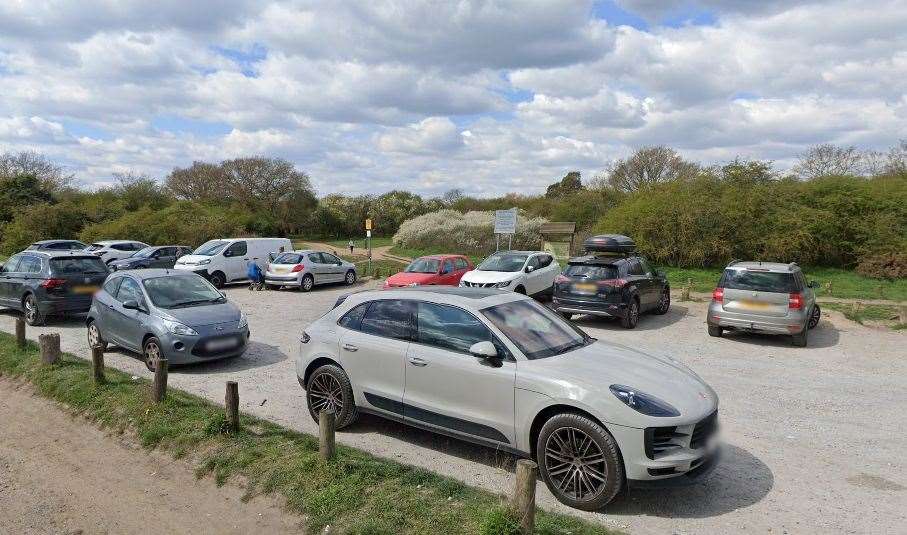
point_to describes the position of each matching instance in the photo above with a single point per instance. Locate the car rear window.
(288, 258)
(72, 266)
(592, 272)
(758, 281)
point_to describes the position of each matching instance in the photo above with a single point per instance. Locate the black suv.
(44, 283)
(611, 281)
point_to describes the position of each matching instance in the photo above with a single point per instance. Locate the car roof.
(604, 260)
(52, 253)
(143, 274)
(43, 242)
(442, 256)
(765, 266)
(451, 295)
(516, 252)
(111, 242)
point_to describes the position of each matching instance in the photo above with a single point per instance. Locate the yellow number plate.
(84, 289)
(585, 288)
(753, 305)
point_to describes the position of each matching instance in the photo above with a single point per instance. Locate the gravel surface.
(814, 436)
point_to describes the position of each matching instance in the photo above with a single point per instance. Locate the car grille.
(703, 430)
(479, 284)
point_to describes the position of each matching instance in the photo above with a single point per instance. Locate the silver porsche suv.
(764, 297)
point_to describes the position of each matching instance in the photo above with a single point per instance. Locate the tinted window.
(75, 266)
(58, 245)
(122, 247)
(238, 248)
(76, 245)
(12, 264)
(111, 286)
(635, 268)
(388, 318)
(165, 251)
(461, 263)
(450, 328)
(545, 260)
(129, 290)
(30, 264)
(353, 318)
(592, 272)
(758, 281)
(316, 258)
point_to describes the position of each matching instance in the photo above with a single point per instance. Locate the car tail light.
(718, 295)
(795, 301)
(297, 268)
(51, 284)
(613, 283)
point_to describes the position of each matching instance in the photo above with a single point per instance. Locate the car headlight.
(176, 327)
(203, 262)
(462, 283)
(503, 284)
(642, 402)
(243, 321)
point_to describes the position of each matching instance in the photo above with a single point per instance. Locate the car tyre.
(307, 283)
(664, 304)
(329, 387)
(800, 339)
(94, 337)
(715, 331)
(631, 319)
(152, 351)
(566, 315)
(579, 461)
(30, 310)
(350, 278)
(217, 279)
(814, 317)
(520, 290)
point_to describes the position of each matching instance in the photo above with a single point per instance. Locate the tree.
(19, 191)
(571, 183)
(745, 172)
(828, 159)
(52, 177)
(262, 183)
(648, 166)
(137, 191)
(203, 182)
(451, 196)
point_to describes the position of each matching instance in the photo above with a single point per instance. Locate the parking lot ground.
(814, 436)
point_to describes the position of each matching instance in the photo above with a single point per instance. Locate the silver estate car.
(764, 297)
(176, 315)
(304, 269)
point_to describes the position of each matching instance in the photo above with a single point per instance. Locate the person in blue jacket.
(256, 276)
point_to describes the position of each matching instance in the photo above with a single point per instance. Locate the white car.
(526, 272)
(227, 260)
(110, 250)
(500, 369)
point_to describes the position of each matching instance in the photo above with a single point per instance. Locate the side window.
(329, 258)
(75, 246)
(238, 248)
(353, 318)
(389, 318)
(448, 267)
(545, 260)
(167, 251)
(461, 264)
(129, 290)
(30, 264)
(450, 328)
(112, 285)
(316, 258)
(12, 264)
(646, 269)
(534, 262)
(121, 247)
(635, 268)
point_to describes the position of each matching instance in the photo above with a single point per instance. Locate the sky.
(485, 96)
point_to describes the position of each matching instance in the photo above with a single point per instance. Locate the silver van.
(764, 297)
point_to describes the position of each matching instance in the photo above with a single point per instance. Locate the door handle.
(416, 361)
(350, 347)
(110, 307)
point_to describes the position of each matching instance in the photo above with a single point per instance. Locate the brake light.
(795, 301)
(718, 295)
(297, 268)
(614, 283)
(51, 284)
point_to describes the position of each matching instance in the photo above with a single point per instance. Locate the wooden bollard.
(159, 387)
(50, 347)
(524, 494)
(97, 365)
(902, 313)
(231, 402)
(326, 424)
(20, 332)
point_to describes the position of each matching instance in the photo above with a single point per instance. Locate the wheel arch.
(553, 410)
(315, 364)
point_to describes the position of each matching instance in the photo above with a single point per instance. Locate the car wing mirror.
(484, 350)
(813, 284)
(529, 269)
(132, 304)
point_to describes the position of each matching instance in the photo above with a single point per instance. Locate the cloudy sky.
(486, 96)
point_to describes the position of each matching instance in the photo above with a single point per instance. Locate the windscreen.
(423, 265)
(77, 266)
(179, 291)
(503, 262)
(94, 247)
(538, 332)
(758, 281)
(595, 272)
(210, 248)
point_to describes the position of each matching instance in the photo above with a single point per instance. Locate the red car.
(440, 270)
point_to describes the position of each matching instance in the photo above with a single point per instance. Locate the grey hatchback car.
(47, 283)
(163, 313)
(304, 269)
(764, 297)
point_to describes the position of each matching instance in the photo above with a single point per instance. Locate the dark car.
(611, 282)
(57, 245)
(45, 283)
(159, 256)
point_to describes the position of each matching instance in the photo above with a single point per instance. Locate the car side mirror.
(529, 269)
(228, 253)
(484, 350)
(661, 274)
(813, 284)
(131, 304)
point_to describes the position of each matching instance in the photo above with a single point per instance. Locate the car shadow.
(647, 322)
(825, 334)
(257, 355)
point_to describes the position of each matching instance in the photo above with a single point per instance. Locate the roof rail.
(792, 264)
(734, 261)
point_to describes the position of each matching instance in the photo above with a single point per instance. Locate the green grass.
(356, 493)
(864, 313)
(844, 284)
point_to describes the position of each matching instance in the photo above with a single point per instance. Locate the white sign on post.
(505, 221)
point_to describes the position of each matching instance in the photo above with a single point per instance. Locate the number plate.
(84, 289)
(280, 270)
(582, 288)
(221, 344)
(753, 305)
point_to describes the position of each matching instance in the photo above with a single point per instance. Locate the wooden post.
(20, 332)
(231, 402)
(97, 365)
(524, 494)
(159, 387)
(326, 422)
(828, 289)
(902, 312)
(50, 347)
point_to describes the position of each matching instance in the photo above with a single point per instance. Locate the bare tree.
(451, 196)
(896, 159)
(828, 159)
(648, 166)
(52, 176)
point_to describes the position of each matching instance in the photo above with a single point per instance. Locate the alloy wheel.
(350, 277)
(325, 393)
(815, 317)
(575, 464)
(665, 302)
(31, 309)
(307, 283)
(94, 337)
(152, 355)
(634, 313)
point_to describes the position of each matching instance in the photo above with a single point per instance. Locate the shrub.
(469, 233)
(41, 221)
(884, 266)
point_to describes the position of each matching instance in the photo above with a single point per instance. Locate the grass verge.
(862, 313)
(356, 493)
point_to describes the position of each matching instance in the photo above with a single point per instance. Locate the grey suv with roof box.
(44, 283)
(764, 297)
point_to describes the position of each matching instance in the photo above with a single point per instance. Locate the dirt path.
(378, 253)
(59, 474)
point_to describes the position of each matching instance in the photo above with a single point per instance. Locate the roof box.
(609, 243)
